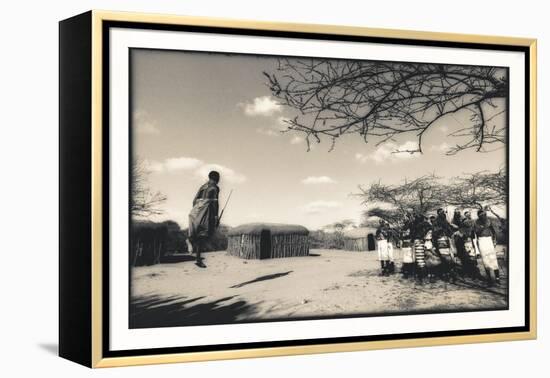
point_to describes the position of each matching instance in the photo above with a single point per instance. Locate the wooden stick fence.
(249, 246)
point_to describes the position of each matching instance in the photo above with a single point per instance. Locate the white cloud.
(173, 164)
(386, 152)
(261, 106)
(443, 147)
(144, 124)
(361, 157)
(182, 163)
(227, 174)
(153, 166)
(296, 140)
(318, 180)
(317, 207)
(199, 168)
(443, 128)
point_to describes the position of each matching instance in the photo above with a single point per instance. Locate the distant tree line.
(321, 239)
(330, 236)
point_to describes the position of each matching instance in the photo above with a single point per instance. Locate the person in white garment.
(407, 268)
(382, 235)
(470, 252)
(486, 239)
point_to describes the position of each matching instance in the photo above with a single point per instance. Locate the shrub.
(326, 240)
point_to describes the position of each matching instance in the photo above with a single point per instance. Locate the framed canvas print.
(234, 189)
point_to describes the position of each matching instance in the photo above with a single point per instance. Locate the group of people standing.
(436, 248)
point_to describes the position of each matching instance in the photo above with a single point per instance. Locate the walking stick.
(224, 206)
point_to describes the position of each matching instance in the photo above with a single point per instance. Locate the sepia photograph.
(271, 188)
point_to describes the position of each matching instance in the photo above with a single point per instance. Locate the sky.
(193, 112)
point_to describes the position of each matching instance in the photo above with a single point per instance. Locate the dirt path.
(327, 283)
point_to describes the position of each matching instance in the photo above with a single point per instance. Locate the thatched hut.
(148, 242)
(268, 241)
(360, 239)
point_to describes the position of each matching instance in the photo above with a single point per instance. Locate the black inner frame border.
(106, 25)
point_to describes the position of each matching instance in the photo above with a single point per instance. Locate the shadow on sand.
(175, 311)
(261, 278)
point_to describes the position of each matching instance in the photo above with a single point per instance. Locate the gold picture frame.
(86, 33)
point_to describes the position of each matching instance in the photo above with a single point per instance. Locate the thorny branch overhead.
(381, 100)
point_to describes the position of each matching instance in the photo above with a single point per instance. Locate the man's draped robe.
(203, 216)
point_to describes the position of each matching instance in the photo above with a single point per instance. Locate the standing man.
(486, 239)
(441, 236)
(470, 255)
(393, 239)
(457, 237)
(383, 248)
(406, 246)
(203, 218)
(441, 225)
(419, 229)
(457, 219)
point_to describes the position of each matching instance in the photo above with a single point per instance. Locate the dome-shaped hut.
(360, 239)
(268, 241)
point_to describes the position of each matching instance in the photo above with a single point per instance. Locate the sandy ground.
(327, 283)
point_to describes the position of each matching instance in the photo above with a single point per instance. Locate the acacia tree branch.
(381, 100)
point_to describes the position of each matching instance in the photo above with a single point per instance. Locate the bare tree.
(422, 194)
(481, 190)
(144, 202)
(381, 100)
(395, 218)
